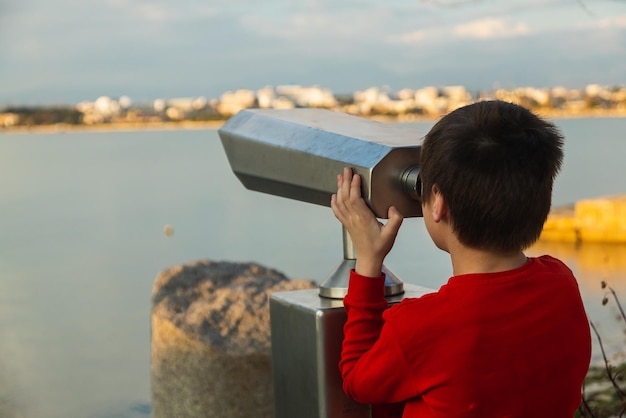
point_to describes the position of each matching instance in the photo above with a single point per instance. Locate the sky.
(68, 51)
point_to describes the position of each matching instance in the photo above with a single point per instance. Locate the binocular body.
(297, 154)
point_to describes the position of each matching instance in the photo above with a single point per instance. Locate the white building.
(429, 99)
(187, 104)
(308, 96)
(124, 102)
(265, 97)
(232, 102)
(159, 105)
(371, 96)
(9, 119)
(106, 106)
(103, 108)
(457, 94)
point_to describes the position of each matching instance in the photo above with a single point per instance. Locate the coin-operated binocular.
(297, 154)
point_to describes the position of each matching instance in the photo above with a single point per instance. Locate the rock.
(211, 346)
(12, 404)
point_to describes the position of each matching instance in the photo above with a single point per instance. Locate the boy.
(507, 336)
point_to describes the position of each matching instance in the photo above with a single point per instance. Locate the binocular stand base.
(335, 285)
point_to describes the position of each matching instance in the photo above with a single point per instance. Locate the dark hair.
(494, 164)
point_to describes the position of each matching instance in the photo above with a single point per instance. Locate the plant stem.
(586, 407)
(618, 390)
(619, 305)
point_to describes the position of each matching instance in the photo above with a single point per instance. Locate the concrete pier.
(601, 219)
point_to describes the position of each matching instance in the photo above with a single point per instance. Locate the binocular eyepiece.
(297, 154)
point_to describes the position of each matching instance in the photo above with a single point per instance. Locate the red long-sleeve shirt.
(507, 344)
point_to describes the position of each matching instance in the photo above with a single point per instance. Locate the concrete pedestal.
(307, 332)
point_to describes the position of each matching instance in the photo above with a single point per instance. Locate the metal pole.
(335, 285)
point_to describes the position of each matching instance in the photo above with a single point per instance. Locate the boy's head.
(494, 164)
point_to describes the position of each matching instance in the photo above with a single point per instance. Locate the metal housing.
(297, 153)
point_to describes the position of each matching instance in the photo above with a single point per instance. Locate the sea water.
(83, 222)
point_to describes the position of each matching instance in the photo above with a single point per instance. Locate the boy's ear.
(438, 207)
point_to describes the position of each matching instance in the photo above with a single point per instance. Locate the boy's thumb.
(395, 219)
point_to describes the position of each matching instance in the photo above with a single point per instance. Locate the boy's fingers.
(355, 187)
(347, 203)
(337, 196)
(394, 222)
(336, 207)
(346, 181)
(344, 186)
(340, 186)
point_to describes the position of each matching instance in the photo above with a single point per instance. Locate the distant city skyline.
(70, 51)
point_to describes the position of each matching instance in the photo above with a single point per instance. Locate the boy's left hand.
(372, 240)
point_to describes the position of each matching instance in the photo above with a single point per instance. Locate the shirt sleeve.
(373, 366)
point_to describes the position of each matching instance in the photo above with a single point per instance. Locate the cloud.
(490, 28)
(154, 48)
(167, 11)
(319, 24)
(326, 34)
(482, 29)
(612, 22)
(410, 37)
(154, 12)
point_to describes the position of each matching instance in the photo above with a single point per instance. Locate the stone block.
(211, 345)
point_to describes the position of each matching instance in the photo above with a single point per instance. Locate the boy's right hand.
(372, 240)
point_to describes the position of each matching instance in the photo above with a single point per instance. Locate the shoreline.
(216, 124)
(112, 127)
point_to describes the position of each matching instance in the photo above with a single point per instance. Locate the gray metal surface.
(307, 332)
(297, 153)
(335, 284)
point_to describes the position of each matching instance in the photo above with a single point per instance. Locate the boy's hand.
(372, 240)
